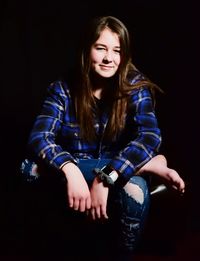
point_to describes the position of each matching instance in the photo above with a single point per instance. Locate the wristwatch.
(107, 175)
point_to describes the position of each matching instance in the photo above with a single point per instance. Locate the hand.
(158, 167)
(175, 180)
(99, 196)
(77, 188)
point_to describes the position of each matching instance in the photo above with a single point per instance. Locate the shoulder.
(140, 85)
(59, 88)
(135, 77)
(140, 97)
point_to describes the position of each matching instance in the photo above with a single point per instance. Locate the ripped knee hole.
(135, 192)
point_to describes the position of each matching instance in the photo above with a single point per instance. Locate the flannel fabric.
(55, 136)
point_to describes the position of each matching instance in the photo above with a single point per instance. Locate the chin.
(106, 74)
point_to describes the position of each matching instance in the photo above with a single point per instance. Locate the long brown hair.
(83, 93)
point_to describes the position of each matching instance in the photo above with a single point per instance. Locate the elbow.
(35, 143)
(159, 144)
(153, 140)
(158, 140)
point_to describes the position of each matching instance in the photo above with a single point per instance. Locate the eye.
(117, 51)
(100, 48)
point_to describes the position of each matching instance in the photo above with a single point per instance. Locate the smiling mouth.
(104, 67)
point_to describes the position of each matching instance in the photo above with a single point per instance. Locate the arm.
(99, 196)
(99, 192)
(42, 140)
(42, 143)
(146, 137)
(77, 189)
(144, 145)
(158, 167)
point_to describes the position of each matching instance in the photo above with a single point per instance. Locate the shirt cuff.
(61, 159)
(124, 167)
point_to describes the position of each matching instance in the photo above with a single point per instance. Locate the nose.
(107, 58)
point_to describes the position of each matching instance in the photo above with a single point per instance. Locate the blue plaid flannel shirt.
(55, 136)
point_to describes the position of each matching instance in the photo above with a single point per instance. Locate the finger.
(176, 184)
(76, 204)
(92, 211)
(103, 212)
(179, 185)
(88, 203)
(175, 187)
(98, 212)
(82, 205)
(182, 186)
(70, 201)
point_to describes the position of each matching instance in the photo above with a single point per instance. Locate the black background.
(38, 43)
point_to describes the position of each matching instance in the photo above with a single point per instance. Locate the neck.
(100, 85)
(98, 93)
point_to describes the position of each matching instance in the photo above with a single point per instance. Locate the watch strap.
(107, 175)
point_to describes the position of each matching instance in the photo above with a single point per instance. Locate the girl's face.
(105, 54)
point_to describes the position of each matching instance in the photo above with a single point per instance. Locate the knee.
(137, 189)
(135, 192)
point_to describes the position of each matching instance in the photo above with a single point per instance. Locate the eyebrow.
(97, 44)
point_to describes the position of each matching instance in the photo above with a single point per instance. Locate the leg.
(158, 167)
(131, 205)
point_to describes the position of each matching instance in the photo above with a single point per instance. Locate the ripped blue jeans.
(127, 206)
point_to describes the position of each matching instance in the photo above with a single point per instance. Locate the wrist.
(70, 169)
(66, 163)
(113, 174)
(107, 175)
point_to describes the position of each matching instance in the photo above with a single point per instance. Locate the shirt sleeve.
(147, 141)
(47, 125)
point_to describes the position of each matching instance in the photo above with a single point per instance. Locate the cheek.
(95, 57)
(117, 60)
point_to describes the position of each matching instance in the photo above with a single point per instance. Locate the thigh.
(88, 165)
(131, 200)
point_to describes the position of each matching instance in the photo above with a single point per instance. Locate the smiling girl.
(100, 131)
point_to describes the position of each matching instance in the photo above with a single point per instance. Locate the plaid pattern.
(55, 136)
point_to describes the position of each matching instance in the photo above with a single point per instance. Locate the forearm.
(131, 159)
(43, 147)
(143, 134)
(77, 188)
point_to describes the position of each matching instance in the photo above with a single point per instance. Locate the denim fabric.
(131, 213)
(88, 165)
(126, 211)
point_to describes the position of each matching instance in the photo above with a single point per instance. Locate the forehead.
(108, 37)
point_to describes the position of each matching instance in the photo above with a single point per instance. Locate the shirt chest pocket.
(70, 134)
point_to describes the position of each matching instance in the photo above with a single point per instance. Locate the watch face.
(107, 179)
(107, 170)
